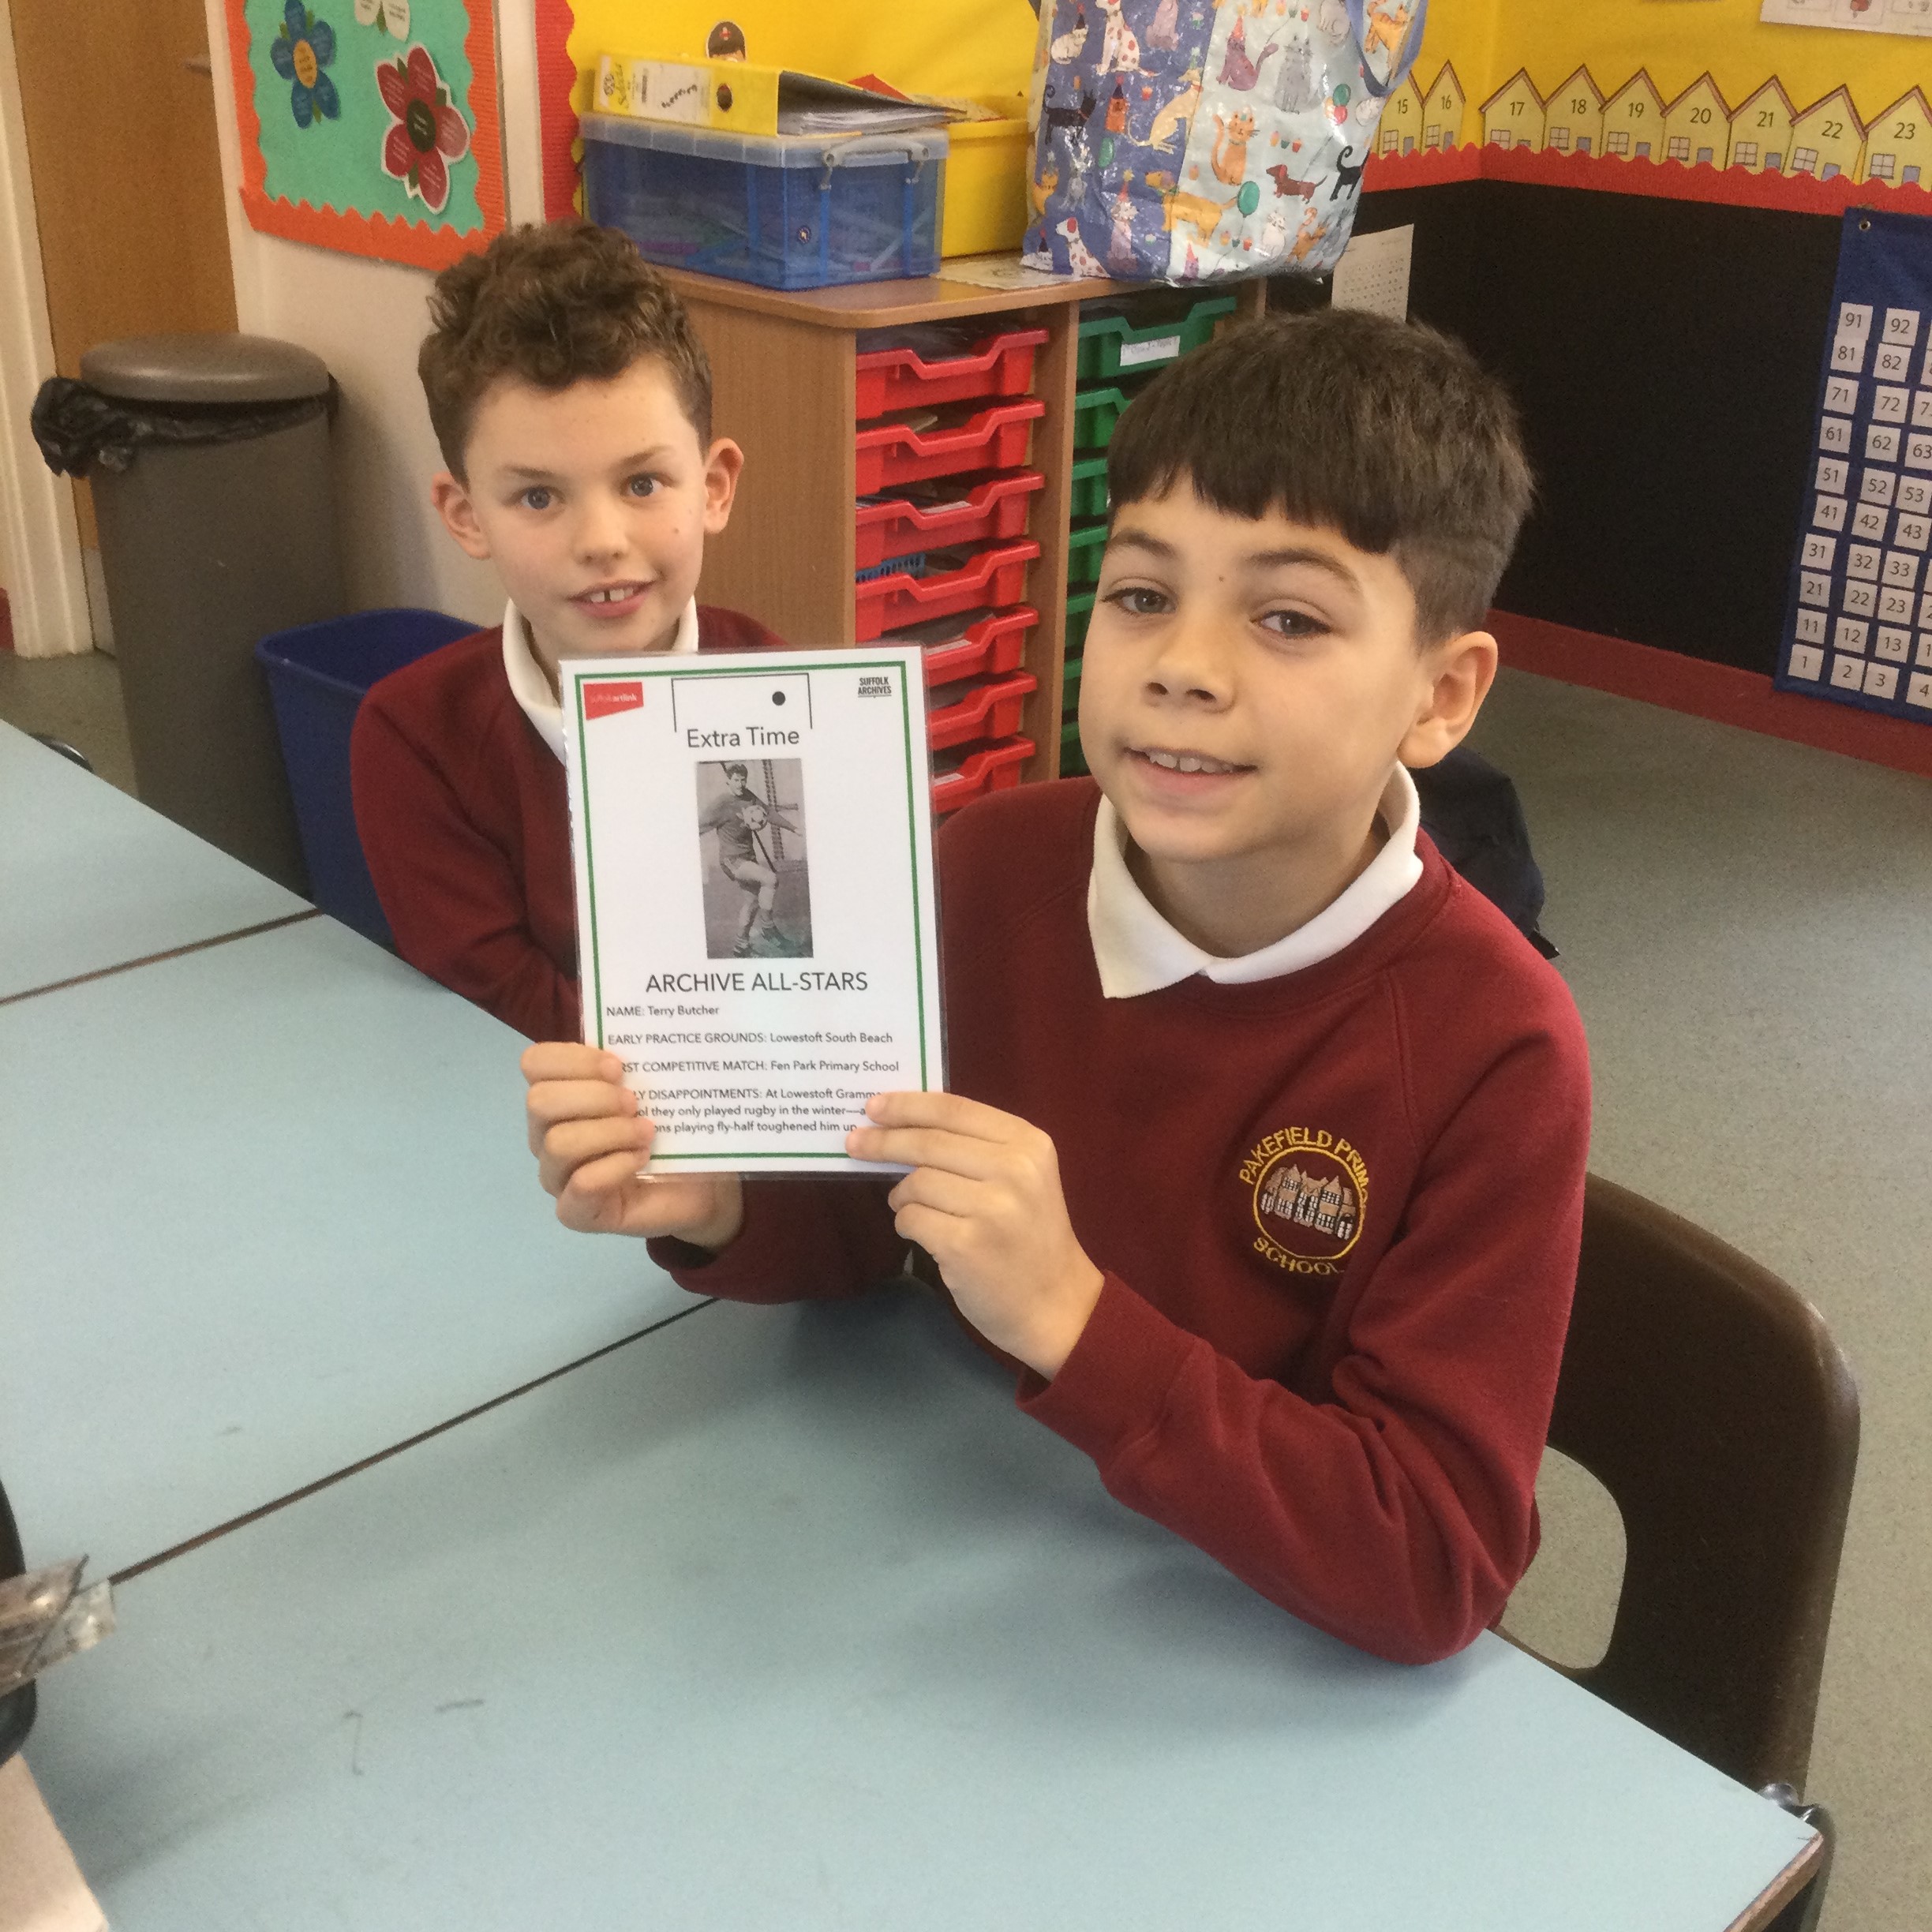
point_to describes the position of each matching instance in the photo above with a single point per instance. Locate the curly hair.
(553, 304)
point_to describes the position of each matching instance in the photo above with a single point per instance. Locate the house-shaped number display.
(1633, 121)
(1400, 129)
(1696, 126)
(1573, 116)
(1444, 107)
(1898, 144)
(1761, 130)
(1513, 115)
(1828, 139)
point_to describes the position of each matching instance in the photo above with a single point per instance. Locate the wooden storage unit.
(785, 366)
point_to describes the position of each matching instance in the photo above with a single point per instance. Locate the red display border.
(1669, 180)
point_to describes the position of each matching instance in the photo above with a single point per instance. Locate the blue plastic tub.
(787, 212)
(317, 677)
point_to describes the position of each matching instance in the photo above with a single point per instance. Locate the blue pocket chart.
(1859, 629)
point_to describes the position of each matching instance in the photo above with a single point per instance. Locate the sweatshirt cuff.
(1112, 1388)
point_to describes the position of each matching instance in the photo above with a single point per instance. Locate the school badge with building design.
(1311, 1195)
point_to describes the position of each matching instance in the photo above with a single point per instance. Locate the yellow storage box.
(986, 185)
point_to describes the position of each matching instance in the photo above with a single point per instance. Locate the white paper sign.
(752, 837)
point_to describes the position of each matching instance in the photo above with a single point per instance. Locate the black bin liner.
(80, 428)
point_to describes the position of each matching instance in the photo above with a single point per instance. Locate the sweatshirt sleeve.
(807, 1239)
(1398, 1512)
(449, 894)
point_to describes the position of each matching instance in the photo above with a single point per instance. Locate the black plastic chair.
(1708, 1397)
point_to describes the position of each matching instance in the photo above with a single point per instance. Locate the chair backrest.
(1706, 1396)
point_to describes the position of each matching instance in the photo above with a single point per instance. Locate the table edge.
(1758, 1915)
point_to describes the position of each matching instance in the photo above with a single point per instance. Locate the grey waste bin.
(219, 531)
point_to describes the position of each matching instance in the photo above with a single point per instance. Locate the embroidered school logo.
(1311, 1194)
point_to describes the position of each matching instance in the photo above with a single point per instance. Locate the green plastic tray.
(1090, 488)
(1078, 610)
(1085, 547)
(1095, 412)
(1114, 345)
(1072, 763)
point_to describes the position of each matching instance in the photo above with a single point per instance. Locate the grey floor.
(1747, 926)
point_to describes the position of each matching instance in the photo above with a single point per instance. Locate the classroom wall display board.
(1859, 626)
(1730, 101)
(370, 126)
(980, 51)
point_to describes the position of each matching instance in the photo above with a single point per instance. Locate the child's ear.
(723, 464)
(458, 513)
(1458, 675)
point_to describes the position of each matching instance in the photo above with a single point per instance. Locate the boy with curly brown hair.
(571, 399)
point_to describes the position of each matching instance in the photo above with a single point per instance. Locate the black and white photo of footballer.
(751, 834)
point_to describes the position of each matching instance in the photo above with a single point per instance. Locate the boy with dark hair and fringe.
(572, 402)
(1264, 1159)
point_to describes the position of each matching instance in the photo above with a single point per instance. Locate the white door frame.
(40, 538)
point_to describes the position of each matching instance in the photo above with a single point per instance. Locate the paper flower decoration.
(427, 133)
(303, 47)
(389, 17)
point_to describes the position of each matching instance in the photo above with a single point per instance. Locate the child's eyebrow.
(1277, 559)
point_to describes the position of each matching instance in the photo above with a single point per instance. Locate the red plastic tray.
(996, 769)
(994, 507)
(991, 711)
(1002, 366)
(995, 644)
(991, 439)
(994, 576)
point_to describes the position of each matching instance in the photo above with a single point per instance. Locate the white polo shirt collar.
(1138, 951)
(531, 688)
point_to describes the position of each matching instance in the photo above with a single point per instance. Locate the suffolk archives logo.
(1311, 1194)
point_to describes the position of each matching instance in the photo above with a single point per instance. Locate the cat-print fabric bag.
(1182, 139)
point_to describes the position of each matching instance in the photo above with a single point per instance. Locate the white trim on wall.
(39, 538)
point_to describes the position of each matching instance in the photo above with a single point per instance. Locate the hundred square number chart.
(1859, 629)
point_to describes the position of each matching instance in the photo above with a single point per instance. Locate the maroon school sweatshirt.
(1338, 1214)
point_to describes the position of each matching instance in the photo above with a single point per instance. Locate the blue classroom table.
(90, 880)
(787, 1619)
(269, 1211)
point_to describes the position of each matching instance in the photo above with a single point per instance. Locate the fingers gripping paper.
(752, 839)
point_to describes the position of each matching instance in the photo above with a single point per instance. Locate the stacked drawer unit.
(1122, 345)
(945, 427)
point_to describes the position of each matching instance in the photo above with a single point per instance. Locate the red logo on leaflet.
(601, 700)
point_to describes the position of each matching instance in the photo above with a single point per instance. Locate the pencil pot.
(1174, 141)
(787, 212)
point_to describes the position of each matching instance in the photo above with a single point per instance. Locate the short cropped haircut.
(1386, 431)
(553, 304)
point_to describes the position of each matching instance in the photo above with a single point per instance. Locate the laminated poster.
(752, 838)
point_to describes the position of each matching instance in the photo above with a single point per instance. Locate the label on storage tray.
(1161, 349)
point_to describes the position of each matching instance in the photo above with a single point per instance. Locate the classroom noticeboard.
(370, 126)
(1859, 627)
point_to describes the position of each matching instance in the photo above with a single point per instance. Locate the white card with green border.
(751, 832)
